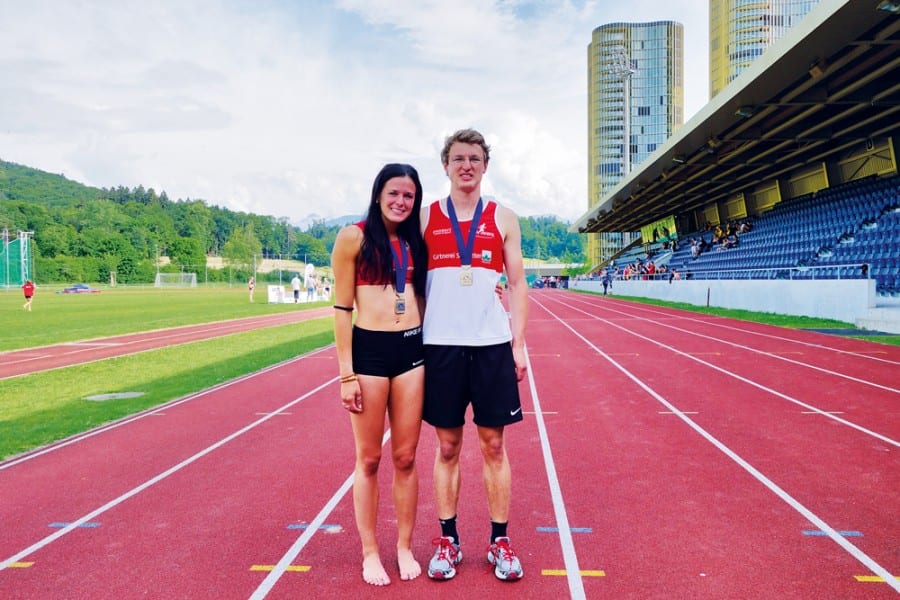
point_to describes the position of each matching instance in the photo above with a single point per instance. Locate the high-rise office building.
(635, 103)
(741, 30)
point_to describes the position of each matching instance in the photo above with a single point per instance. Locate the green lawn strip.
(57, 318)
(44, 407)
(789, 321)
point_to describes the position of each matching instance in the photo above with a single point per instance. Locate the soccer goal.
(175, 280)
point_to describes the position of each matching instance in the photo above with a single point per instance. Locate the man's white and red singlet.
(458, 315)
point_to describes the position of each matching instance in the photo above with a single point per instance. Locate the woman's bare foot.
(373, 571)
(409, 566)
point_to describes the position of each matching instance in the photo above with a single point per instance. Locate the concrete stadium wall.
(841, 299)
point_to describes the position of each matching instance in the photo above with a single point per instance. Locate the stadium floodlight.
(744, 112)
(889, 6)
(678, 160)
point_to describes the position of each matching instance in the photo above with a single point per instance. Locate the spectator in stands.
(695, 249)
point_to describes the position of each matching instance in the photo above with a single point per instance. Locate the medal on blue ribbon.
(465, 248)
(401, 264)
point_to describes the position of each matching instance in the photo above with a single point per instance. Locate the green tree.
(187, 253)
(241, 248)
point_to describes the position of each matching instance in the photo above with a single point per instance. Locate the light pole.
(621, 68)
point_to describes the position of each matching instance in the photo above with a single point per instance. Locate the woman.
(251, 284)
(28, 290)
(380, 265)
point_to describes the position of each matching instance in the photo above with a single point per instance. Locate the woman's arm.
(343, 264)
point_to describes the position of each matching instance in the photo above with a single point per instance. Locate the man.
(295, 286)
(473, 354)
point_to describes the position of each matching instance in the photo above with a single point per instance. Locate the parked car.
(79, 288)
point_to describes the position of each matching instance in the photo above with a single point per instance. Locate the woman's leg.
(368, 429)
(405, 412)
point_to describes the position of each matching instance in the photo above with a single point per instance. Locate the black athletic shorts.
(386, 353)
(484, 376)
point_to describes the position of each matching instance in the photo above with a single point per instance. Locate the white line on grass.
(835, 536)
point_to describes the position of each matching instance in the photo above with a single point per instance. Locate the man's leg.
(497, 473)
(446, 471)
(446, 489)
(498, 483)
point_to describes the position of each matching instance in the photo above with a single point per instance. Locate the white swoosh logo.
(513, 413)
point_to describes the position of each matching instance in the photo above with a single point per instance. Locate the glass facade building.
(741, 30)
(635, 103)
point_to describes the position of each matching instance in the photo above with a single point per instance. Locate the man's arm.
(518, 285)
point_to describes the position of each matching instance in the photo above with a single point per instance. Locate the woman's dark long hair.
(375, 254)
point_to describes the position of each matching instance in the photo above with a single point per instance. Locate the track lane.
(874, 401)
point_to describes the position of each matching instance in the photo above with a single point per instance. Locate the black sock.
(497, 530)
(448, 528)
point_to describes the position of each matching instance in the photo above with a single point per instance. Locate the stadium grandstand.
(798, 156)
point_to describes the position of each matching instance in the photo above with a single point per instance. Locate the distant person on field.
(310, 287)
(295, 285)
(380, 266)
(251, 284)
(28, 290)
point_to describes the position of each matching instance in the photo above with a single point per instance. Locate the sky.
(290, 108)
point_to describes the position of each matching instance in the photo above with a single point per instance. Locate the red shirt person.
(28, 290)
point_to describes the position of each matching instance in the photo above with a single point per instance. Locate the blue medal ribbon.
(401, 264)
(465, 249)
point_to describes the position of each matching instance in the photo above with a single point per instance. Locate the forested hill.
(83, 233)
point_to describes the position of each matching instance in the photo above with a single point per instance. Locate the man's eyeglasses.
(458, 161)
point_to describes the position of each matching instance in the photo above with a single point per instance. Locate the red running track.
(665, 455)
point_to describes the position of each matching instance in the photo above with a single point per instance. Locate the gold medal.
(465, 276)
(399, 305)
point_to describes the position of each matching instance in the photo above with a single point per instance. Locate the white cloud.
(290, 108)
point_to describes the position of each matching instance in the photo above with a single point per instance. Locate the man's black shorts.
(484, 376)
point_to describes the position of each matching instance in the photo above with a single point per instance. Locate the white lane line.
(764, 353)
(760, 386)
(279, 569)
(136, 490)
(714, 321)
(820, 524)
(570, 558)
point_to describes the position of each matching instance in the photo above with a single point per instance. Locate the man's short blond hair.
(465, 136)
